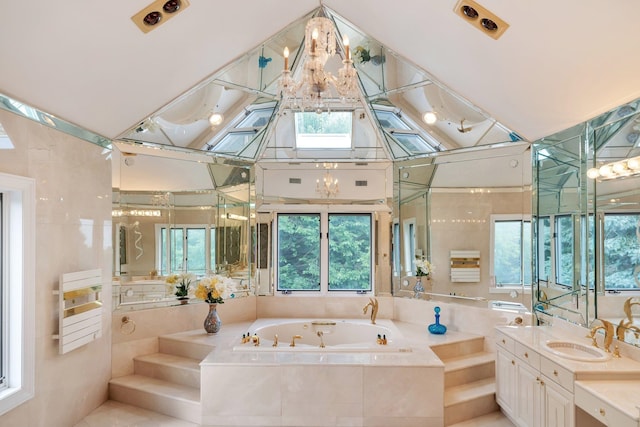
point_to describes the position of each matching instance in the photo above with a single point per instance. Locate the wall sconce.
(236, 217)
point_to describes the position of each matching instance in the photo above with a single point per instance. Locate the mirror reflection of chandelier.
(315, 85)
(328, 187)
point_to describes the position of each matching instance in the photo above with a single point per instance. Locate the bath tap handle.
(275, 340)
(321, 334)
(293, 340)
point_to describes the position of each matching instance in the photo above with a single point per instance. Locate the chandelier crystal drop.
(317, 86)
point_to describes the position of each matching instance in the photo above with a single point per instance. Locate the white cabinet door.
(558, 405)
(528, 402)
(506, 382)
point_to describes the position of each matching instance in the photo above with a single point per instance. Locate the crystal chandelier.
(328, 187)
(317, 85)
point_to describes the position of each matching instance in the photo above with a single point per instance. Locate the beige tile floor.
(112, 414)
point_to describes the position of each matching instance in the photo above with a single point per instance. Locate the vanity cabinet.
(532, 390)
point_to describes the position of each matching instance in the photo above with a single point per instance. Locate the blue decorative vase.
(437, 328)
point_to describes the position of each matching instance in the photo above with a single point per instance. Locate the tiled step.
(459, 348)
(183, 347)
(469, 368)
(471, 400)
(161, 396)
(168, 367)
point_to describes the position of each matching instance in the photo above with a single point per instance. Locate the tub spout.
(373, 302)
(293, 340)
(321, 334)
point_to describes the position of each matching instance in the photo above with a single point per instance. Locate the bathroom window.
(323, 131)
(511, 250)
(298, 252)
(186, 249)
(17, 320)
(350, 243)
(622, 251)
(324, 252)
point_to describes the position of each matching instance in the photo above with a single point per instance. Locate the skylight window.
(324, 130)
(5, 142)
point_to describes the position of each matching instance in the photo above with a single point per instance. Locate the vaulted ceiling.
(558, 63)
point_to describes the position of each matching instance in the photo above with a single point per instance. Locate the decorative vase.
(212, 323)
(437, 328)
(418, 288)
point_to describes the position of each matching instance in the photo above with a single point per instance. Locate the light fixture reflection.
(619, 169)
(215, 119)
(430, 117)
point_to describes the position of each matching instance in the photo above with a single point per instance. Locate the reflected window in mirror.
(564, 248)
(544, 248)
(622, 251)
(511, 250)
(185, 248)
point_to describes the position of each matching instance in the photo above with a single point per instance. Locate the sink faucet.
(607, 327)
(623, 327)
(293, 340)
(373, 302)
(628, 304)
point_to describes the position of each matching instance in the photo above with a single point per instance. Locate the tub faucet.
(321, 334)
(607, 327)
(373, 302)
(293, 340)
(275, 340)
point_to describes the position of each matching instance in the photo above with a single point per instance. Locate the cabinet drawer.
(557, 374)
(502, 340)
(528, 356)
(602, 411)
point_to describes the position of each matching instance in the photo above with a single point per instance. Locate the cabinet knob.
(526, 355)
(602, 412)
(513, 362)
(555, 372)
(538, 379)
(541, 382)
(503, 341)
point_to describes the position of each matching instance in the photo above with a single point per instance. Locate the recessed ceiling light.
(470, 12)
(481, 18)
(430, 117)
(216, 119)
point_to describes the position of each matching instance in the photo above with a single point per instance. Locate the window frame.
(18, 289)
(324, 255)
(496, 218)
(209, 236)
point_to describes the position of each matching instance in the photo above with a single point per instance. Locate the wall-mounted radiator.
(465, 266)
(80, 305)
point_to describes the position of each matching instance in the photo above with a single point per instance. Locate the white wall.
(73, 232)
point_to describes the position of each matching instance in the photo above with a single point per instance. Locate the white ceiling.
(558, 64)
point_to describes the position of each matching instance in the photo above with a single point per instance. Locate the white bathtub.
(338, 335)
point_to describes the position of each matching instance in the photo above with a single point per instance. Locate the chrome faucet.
(607, 327)
(373, 302)
(321, 334)
(293, 340)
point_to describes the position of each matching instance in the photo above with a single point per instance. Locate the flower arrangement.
(361, 55)
(212, 289)
(182, 283)
(423, 267)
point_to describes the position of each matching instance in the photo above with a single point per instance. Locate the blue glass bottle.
(437, 328)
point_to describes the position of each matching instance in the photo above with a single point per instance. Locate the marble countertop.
(620, 394)
(535, 336)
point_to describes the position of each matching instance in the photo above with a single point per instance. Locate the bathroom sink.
(576, 351)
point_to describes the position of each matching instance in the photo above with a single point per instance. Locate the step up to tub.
(169, 367)
(157, 395)
(471, 400)
(469, 368)
(183, 346)
(459, 348)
